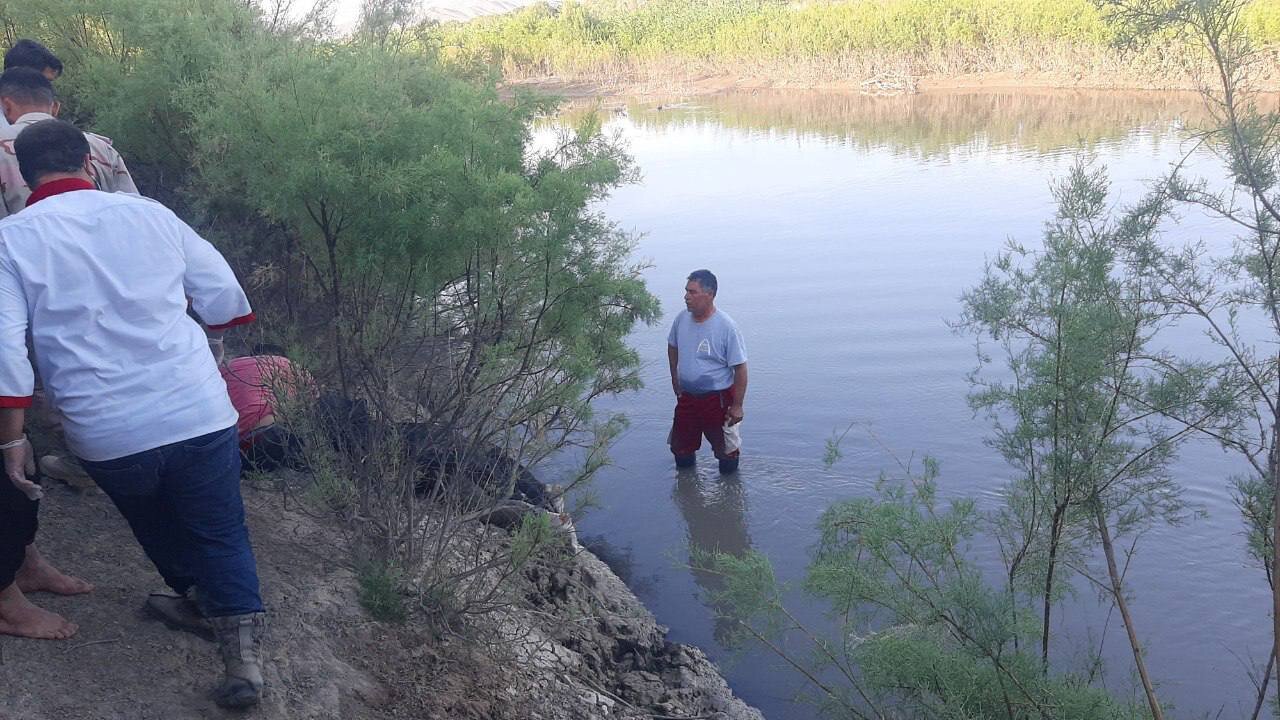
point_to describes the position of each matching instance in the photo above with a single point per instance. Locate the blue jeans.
(183, 503)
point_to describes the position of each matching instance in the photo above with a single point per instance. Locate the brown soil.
(584, 647)
(121, 665)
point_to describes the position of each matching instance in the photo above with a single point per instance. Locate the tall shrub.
(399, 228)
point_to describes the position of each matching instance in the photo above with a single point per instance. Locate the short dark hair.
(28, 53)
(49, 146)
(26, 86)
(706, 279)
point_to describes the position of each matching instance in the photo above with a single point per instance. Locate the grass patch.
(821, 39)
(381, 593)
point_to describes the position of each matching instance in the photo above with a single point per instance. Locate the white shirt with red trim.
(103, 280)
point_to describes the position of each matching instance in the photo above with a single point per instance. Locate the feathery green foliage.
(920, 633)
(1084, 417)
(394, 217)
(1235, 297)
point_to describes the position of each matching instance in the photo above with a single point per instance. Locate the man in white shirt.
(103, 282)
(27, 97)
(22, 567)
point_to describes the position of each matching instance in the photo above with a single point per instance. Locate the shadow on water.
(714, 508)
(621, 561)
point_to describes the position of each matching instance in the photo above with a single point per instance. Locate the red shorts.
(699, 415)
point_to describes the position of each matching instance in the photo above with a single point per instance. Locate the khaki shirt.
(105, 164)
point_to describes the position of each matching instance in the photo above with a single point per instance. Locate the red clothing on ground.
(701, 415)
(253, 383)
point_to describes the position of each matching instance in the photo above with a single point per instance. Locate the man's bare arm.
(11, 422)
(734, 414)
(19, 462)
(673, 359)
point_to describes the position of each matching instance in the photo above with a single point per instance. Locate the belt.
(703, 394)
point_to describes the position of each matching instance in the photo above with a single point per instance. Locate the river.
(843, 230)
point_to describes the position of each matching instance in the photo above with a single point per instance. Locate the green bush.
(393, 221)
(381, 593)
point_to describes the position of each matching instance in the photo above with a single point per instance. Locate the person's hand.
(733, 415)
(19, 463)
(217, 348)
(675, 385)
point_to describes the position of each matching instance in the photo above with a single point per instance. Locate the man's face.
(697, 299)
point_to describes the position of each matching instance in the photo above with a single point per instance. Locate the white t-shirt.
(708, 351)
(103, 281)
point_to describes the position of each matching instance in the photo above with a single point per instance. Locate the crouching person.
(103, 282)
(257, 384)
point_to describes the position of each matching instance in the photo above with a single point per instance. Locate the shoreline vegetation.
(588, 48)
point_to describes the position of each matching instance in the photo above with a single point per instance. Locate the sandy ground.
(122, 665)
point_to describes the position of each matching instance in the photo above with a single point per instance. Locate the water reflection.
(930, 124)
(715, 512)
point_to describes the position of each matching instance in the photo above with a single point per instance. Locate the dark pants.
(183, 503)
(698, 416)
(270, 448)
(18, 524)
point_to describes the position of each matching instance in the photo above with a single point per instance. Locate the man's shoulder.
(94, 199)
(101, 144)
(27, 119)
(95, 138)
(86, 202)
(725, 319)
(129, 204)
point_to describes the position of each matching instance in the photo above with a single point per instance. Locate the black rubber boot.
(683, 461)
(728, 466)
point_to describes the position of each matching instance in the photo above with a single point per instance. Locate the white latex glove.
(217, 348)
(20, 462)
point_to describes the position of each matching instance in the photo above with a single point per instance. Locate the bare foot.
(37, 575)
(19, 617)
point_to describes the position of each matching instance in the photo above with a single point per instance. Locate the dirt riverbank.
(587, 648)
(584, 89)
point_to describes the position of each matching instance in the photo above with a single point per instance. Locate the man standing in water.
(708, 374)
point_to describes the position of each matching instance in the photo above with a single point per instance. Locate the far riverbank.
(639, 85)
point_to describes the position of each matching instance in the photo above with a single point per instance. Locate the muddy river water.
(844, 229)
